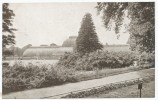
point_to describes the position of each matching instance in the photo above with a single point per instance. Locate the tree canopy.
(7, 17)
(87, 40)
(142, 22)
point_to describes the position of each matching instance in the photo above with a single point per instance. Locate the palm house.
(46, 52)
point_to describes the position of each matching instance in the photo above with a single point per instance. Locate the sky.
(46, 23)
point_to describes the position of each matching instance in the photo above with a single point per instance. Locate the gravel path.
(50, 91)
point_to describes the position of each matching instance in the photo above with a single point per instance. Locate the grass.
(107, 89)
(148, 91)
(88, 75)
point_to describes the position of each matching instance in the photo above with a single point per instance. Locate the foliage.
(20, 77)
(87, 40)
(142, 22)
(7, 16)
(112, 59)
(117, 48)
(147, 59)
(99, 60)
(8, 40)
(7, 52)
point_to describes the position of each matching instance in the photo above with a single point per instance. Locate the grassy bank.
(101, 90)
(148, 91)
(89, 75)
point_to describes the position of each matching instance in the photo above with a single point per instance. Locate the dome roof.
(46, 51)
(53, 45)
(70, 42)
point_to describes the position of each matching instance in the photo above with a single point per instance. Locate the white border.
(51, 1)
(42, 1)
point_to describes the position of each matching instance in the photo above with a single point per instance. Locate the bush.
(146, 59)
(5, 63)
(20, 77)
(97, 60)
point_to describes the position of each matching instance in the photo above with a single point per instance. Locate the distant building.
(53, 45)
(54, 51)
(43, 45)
(46, 52)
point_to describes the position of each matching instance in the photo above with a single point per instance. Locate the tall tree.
(142, 22)
(8, 35)
(87, 40)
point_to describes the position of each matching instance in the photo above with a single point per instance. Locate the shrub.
(5, 63)
(97, 60)
(147, 59)
(20, 77)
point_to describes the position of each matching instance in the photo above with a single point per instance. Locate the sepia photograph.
(55, 50)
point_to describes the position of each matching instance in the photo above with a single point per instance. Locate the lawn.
(88, 75)
(148, 91)
(105, 90)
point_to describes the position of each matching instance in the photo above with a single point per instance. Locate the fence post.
(140, 93)
(140, 88)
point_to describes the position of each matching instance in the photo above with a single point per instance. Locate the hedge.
(20, 77)
(97, 60)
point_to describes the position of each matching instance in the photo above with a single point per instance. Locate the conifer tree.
(87, 40)
(7, 15)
